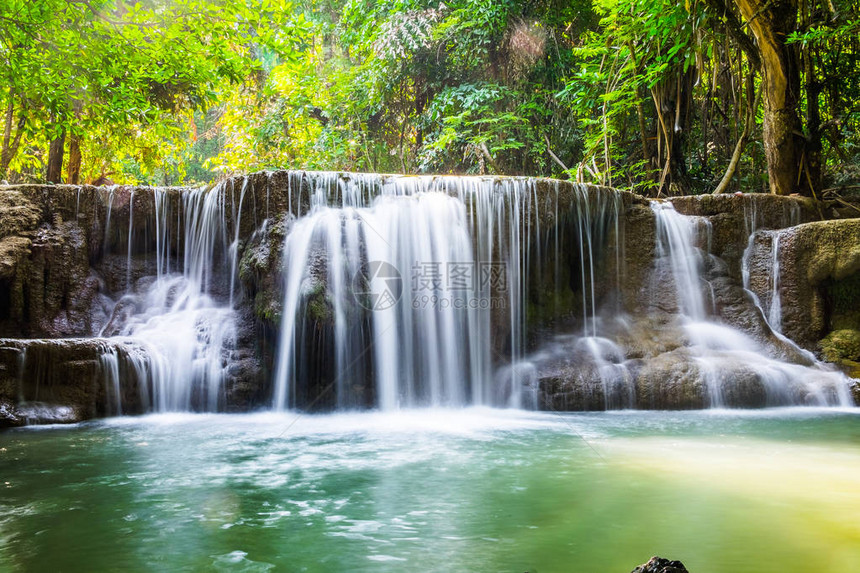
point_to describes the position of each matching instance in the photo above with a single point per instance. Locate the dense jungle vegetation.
(657, 96)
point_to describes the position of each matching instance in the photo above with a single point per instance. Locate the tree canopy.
(660, 97)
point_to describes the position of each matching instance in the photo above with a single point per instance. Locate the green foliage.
(645, 94)
(124, 73)
(640, 47)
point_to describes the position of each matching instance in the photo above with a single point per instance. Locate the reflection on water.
(467, 490)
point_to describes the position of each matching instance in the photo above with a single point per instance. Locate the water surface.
(457, 490)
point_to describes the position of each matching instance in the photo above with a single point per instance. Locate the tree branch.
(553, 155)
(735, 29)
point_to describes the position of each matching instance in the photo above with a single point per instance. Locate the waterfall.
(406, 280)
(726, 355)
(791, 216)
(677, 236)
(130, 241)
(106, 242)
(774, 314)
(109, 368)
(182, 320)
(412, 291)
(406, 299)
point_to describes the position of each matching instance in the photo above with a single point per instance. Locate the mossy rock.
(841, 345)
(319, 304)
(843, 297)
(852, 369)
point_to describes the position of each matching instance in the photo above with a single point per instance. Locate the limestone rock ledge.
(55, 381)
(63, 381)
(818, 284)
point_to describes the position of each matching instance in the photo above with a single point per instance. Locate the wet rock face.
(639, 244)
(819, 278)
(46, 287)
(60, 288)
(259, 269)
(60, 381)
(659, 379)
(734, 216)
(10, 417)
(247, 380)
(659, 369)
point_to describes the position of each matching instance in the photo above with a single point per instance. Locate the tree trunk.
(73, 175)
(11, 150)
(671, 101)
(55, 159)
(771, 22)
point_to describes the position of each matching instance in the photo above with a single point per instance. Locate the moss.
(550, 305)
(318, 305)
(852, 369)
(267, 307)
(841, 345)
(259, 269)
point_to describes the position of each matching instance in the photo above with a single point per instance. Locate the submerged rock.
(661, 565)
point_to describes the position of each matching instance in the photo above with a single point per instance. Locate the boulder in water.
(661, 565)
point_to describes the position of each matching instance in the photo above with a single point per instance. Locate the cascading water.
(414, 291)
(791, 216)
(774, 312)
(405, 296)
(411, 342)
(723, 353)
(181, 320)
(411, 278)
(677, 239)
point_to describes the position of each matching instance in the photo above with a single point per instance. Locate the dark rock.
(63, 381)
(660, 565)
(244, 386)
(10, 417)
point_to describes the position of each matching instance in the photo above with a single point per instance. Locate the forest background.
(663, 98)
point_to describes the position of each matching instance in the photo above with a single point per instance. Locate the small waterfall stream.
(180, 319)
(725, 354)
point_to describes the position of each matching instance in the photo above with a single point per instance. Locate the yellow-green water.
(469, 490)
